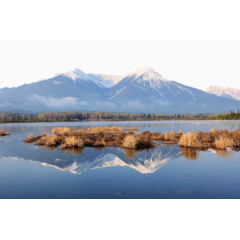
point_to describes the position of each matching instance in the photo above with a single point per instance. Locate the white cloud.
(58, 102)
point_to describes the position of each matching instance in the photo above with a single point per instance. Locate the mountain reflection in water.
(80, 160)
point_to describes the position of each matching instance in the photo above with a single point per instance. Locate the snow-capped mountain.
(144, 91)
(231, 93)
(101, 80)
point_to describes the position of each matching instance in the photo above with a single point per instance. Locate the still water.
(167, 171)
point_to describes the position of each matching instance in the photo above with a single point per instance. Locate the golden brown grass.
(190, 139)
(61, 130)
(130, 141)
(115, 137)
(214, 131)
(4, 133)
(31, 138)
(172, 136)
(223, 142)
(72, 142)
(133, 141)
(169, 137)
(52, 140)
(157, 136)
(219, 139)
(104, 129)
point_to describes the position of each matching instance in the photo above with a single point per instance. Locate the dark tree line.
(229, 116)
(109, 116)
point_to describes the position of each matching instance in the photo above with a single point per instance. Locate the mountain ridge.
(142, 91)
(232, 93)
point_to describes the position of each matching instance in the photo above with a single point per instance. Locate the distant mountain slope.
(143, 91)
(231, 93)
(60, 93)
(146, 90)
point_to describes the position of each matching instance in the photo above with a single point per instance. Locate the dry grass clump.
(79, 131)
(133, 141)
(214, 131)
(145, 141)
(113, 139)
(206, 139)
(223, 142)
(88, 143)
(42, 140)
(130, 141)
(52, 140)
(157, 136)
(4, 133)
(72, 142)
(219, 139)
(31, 138)
(190, 139)
(236, 137)
(61, 130)
(170, 137)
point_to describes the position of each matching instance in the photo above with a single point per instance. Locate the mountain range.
(142, 91)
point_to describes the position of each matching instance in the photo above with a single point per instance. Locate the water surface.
(29, 171)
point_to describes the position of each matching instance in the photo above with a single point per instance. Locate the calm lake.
(167, 171)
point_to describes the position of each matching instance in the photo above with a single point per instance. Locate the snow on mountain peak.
(80, 73)
(146, 74)
(148, 77)
(97, 79)
(142, 70)
(75, 74)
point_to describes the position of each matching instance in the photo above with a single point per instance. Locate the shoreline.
(13, 117)
(145, 120)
